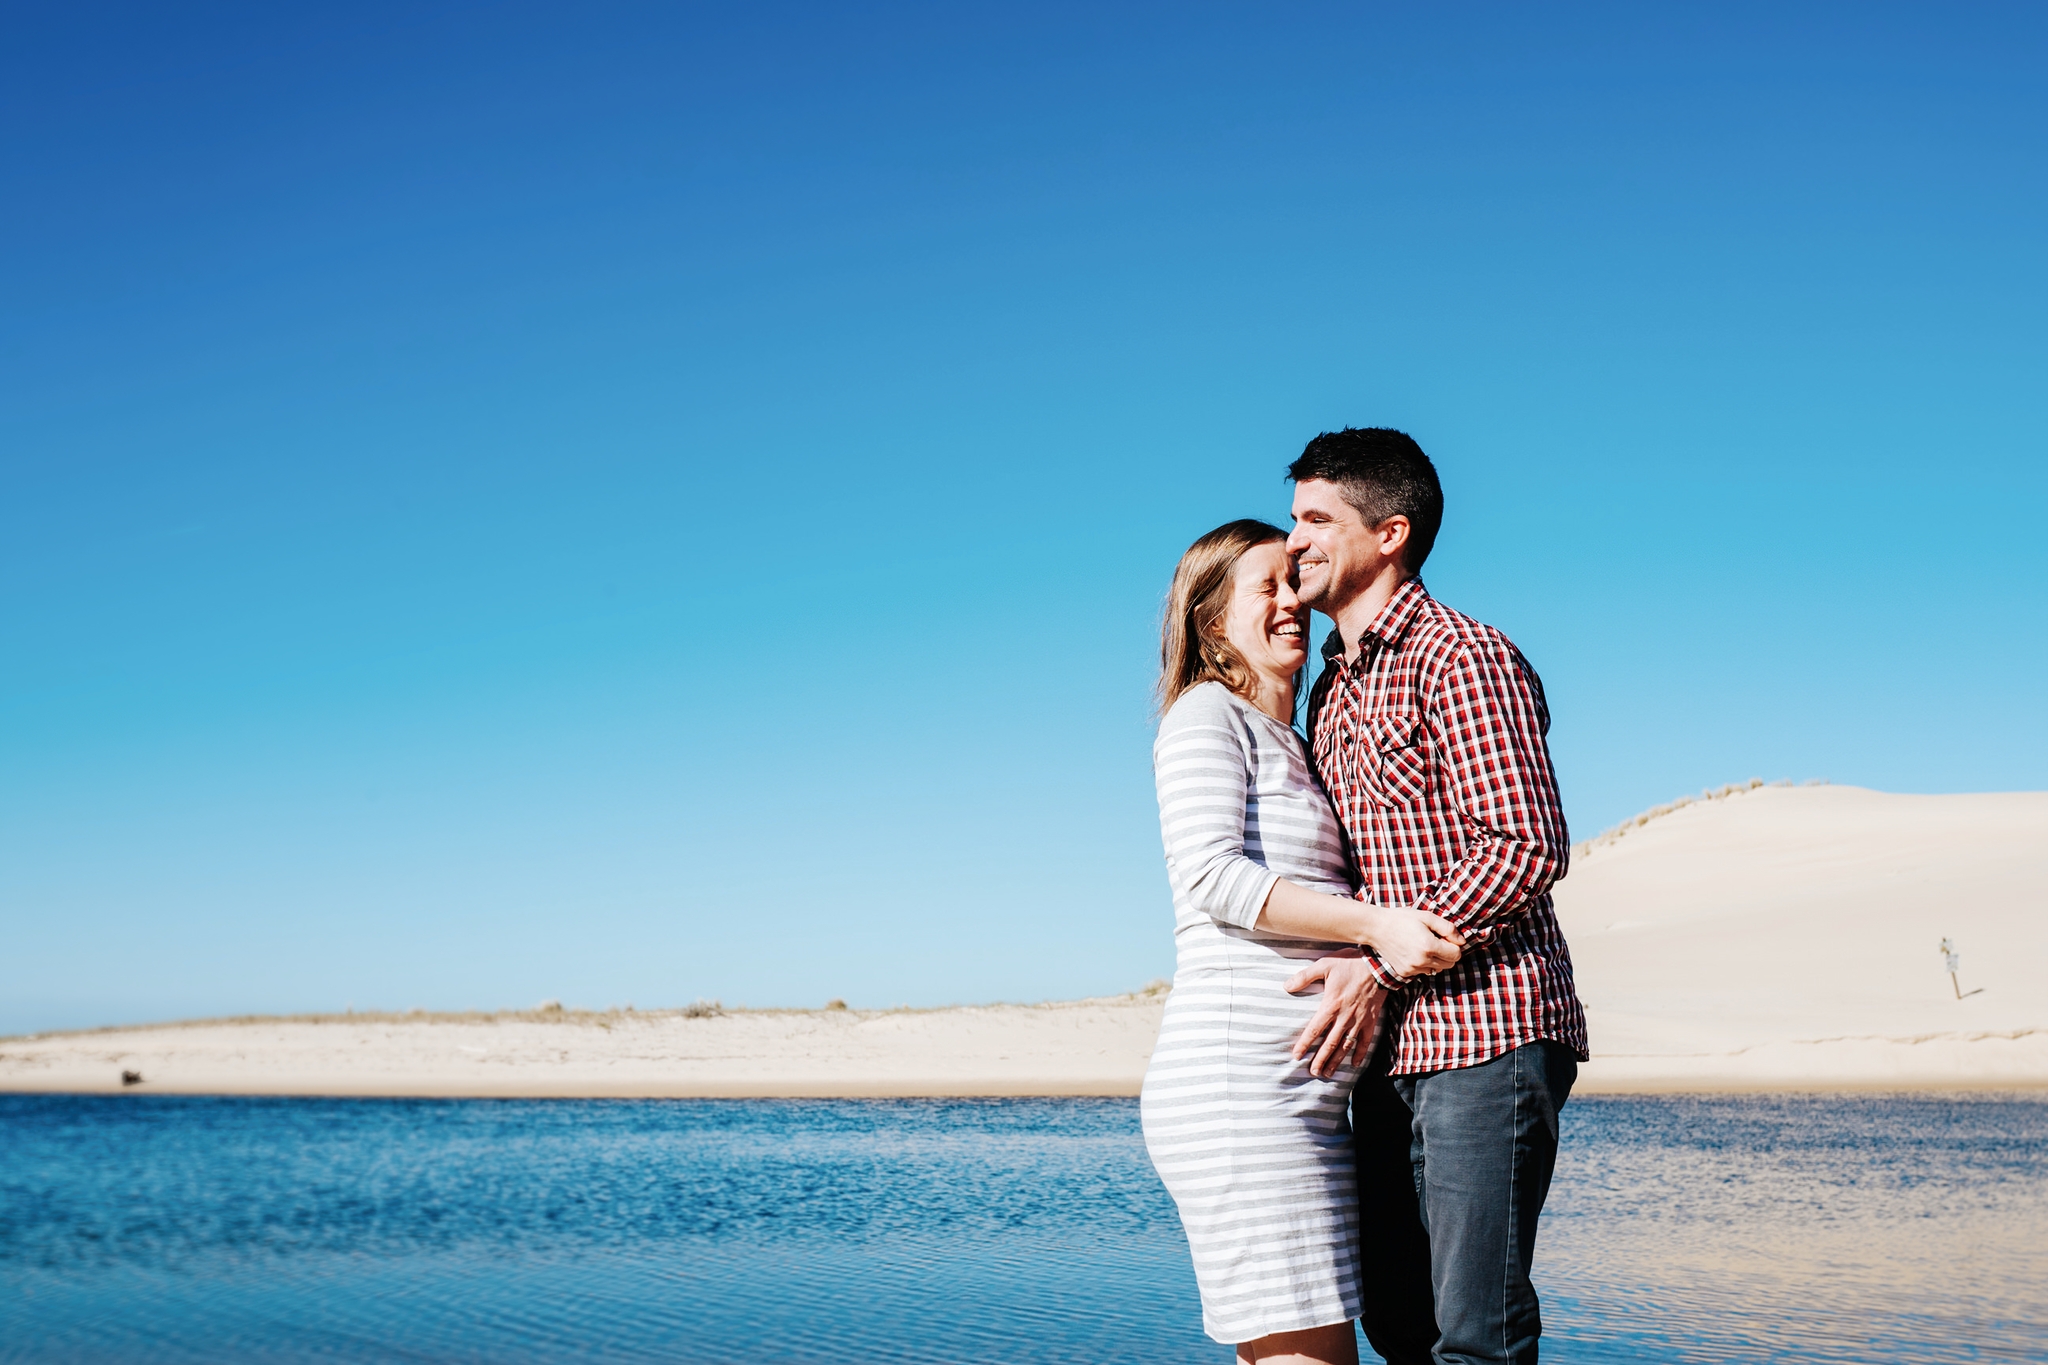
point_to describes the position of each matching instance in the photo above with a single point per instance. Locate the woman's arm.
(1203, 770)
(1203, 765)
(1409, 942)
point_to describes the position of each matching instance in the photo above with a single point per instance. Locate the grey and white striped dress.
(1255, 1150)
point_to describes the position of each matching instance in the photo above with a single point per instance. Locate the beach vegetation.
(1615, 833)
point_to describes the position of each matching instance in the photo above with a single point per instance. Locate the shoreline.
(1066, 1049)
(1677, 1089)
(1093, 1047)
(1769, 940)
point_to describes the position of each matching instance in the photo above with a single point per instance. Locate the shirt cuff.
(1381, 973)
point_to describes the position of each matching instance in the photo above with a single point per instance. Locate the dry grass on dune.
(553, 1012)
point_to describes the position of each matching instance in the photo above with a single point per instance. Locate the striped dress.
(1254, 1149)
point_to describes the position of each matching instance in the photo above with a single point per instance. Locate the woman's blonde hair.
(1191, 645)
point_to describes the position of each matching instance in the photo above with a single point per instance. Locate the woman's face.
(1265, 622)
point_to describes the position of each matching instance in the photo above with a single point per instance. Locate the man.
(1427, 729)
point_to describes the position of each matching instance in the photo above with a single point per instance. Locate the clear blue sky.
(631, 503)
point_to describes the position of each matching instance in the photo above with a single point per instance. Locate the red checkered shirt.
(1431, 746)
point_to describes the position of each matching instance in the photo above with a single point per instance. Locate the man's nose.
(1296, 541)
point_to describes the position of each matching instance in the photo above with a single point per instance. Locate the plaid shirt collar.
(1386, 628)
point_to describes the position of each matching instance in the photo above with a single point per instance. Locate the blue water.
(158, 1229)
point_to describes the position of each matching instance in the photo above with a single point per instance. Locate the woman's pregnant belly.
(1227, 1034)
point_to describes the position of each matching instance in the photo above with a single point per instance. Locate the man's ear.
(1393, 534)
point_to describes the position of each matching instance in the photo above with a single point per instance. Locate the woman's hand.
(1410, 942)
(1414, 942)
(1347, 1022)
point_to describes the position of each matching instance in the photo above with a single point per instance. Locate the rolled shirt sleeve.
(1488, 721)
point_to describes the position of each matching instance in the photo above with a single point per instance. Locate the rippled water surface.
(159, 1229)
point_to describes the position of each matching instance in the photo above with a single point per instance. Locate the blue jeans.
(1453, 1168)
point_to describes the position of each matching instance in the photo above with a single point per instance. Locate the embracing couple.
(1378, 1150)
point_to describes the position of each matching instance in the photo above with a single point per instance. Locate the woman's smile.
(1265, 622)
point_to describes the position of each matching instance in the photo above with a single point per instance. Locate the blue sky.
(632, 503)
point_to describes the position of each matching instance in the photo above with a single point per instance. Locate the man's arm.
(1488, 719)
(1381, 975)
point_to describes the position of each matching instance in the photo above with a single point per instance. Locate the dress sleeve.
(1202, 763)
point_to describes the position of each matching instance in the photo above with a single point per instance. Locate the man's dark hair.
(1382, 473)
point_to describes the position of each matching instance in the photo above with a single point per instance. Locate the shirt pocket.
(1398, 748)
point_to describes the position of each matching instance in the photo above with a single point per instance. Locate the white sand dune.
(1790, 937)
(1771, 938)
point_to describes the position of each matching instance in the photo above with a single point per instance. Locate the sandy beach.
(1084, 1047)
(1759, 938)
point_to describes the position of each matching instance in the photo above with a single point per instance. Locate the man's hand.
(1415, 942)
(1347, 1023)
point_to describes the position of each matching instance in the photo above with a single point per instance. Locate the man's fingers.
(1348, 1006)
(1317, 1026)
(1370, 1028)
(1343, 1041)
(1307, 977)
(1332, 1054)
(1317, 1037)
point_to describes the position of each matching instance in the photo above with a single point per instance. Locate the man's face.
(1334, 551)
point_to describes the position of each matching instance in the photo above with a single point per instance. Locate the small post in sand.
(1952, 961)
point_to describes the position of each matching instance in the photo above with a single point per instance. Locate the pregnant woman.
(1254, 1148)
